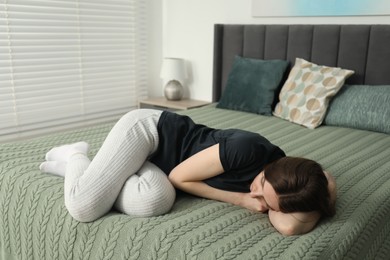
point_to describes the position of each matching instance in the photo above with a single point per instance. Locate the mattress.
(34, 223)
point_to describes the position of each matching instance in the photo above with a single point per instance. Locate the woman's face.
(262, 190)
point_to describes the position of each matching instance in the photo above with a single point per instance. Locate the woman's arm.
(188, 176)
(296, 223)
(301, 222)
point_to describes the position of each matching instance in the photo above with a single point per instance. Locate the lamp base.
(173, 90)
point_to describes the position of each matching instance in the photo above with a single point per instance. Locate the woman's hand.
(253, 204)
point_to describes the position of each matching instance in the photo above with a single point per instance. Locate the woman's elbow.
(179, 182)
(294, 230)
(173, 177)
(287, 230)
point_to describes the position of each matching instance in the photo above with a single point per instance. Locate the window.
(64, 62)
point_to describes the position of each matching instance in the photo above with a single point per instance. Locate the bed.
(34, 223)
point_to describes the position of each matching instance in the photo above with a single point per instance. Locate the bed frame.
(360, 48)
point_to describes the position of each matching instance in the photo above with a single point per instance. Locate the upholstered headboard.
(362, 48)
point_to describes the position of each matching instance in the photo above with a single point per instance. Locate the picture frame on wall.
(269, 8)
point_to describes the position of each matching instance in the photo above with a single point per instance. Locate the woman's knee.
(85, 210)
(149, 193)
(136, 115)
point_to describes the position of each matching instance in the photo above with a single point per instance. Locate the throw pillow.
(361, 106)
(251, 85)
(305, 96)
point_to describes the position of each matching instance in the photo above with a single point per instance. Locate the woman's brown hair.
(301, 185)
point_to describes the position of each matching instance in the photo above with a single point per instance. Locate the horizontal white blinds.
(69, 61)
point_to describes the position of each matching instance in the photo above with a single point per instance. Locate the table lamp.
(174, 72)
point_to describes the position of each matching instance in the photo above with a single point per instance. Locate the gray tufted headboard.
(362, 48)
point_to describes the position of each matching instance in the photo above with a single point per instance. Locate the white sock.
(54, 167)
(64, 152)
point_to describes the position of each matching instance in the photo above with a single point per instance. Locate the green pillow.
(251, 85)
(361, 106)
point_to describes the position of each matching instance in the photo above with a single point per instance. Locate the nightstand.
(164, 104)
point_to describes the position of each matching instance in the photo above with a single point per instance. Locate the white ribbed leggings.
(120, 174)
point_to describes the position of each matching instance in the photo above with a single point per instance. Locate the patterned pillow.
(305, 96)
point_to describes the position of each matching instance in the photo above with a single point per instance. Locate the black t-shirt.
(243, 154)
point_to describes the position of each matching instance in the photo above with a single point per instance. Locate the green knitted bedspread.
(34, 223)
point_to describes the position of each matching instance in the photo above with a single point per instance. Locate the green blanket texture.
(34, 223)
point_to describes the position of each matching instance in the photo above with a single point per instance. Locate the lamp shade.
(173, 69)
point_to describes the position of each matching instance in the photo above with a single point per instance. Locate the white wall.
(155, 29)
(187, 32)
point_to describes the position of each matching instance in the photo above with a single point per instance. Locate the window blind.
(70, 61)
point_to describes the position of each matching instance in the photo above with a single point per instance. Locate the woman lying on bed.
(130, 172)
